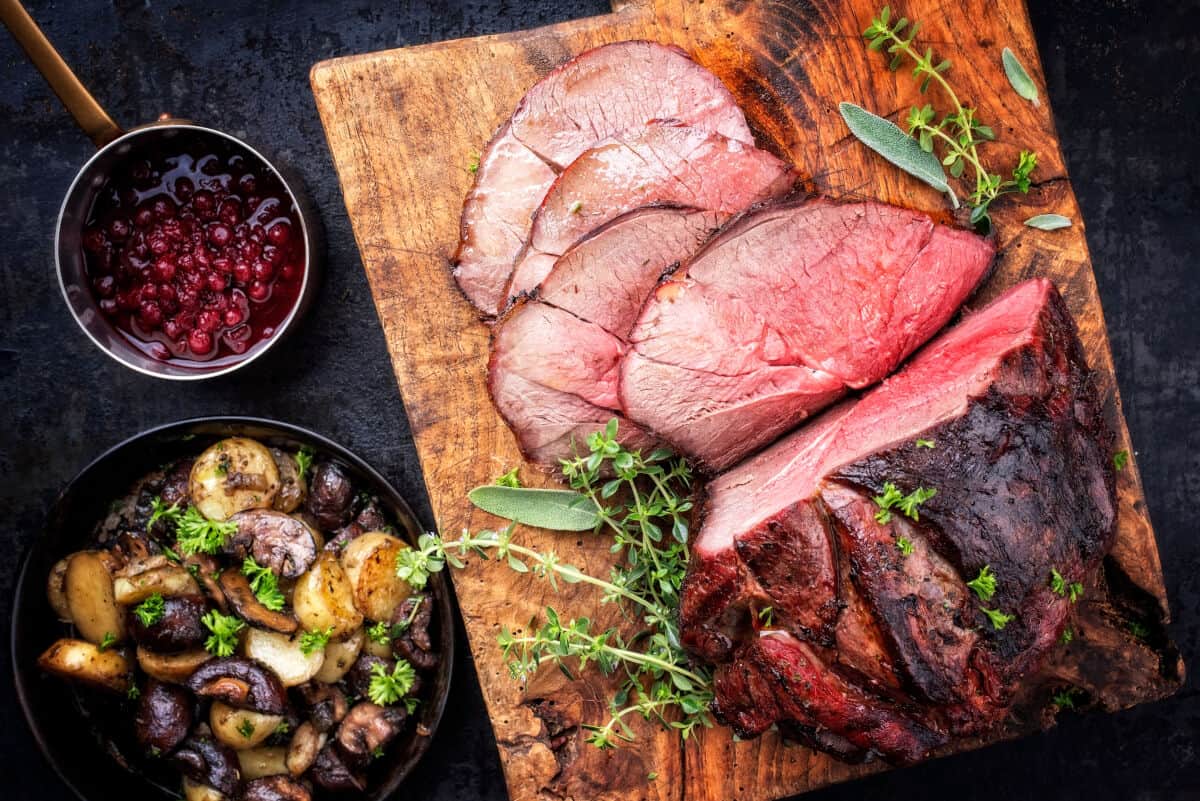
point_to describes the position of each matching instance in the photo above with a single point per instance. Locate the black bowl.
(78, 746)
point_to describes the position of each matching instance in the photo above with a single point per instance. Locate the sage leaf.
(557, 510)
(889, 141)
(1019, 78)
(1048, 222)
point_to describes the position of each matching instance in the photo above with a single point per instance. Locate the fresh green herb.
(1062, 588)
(892, 498)
(958, 133)
(926, 443)
(246, 728)
(509, 479)
(171, 555)
(643, 502)
(224, 637)
(1120, 459)
(264, 584)
(315, 640)
(576, 207)
(1067, 635)
(984, 584)
(1022, 84)
(195, 532)
(998, 618)
(379, 633)
(151, 610)
(304, 459)
(283, 728)
(107, 641)
(651, 776)
(133, 693)
(557, 510)
(1138, 629)
(766, 616)
(890, 141)
(222, 468)
(473, 167)
(160, 511)
(377, 753)
(1065, 699)
(386, 688)
(904, 545)
(1048, 222)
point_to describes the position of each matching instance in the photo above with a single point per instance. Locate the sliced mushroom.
(327, 705)
(236, 588)
(275, 788)
(206, 570)
(205, 761)
(413, 642)
(306, 743)
(175, 484)
(178, 629)
(330, 496)
(173, 668)
(276, 540)
(164, 717)
(292, 489)
(369, 726)
(240, 683)
(331, 772)
(371, 516)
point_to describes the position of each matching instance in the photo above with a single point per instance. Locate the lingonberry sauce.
(195, 256)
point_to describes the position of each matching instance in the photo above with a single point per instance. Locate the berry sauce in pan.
(195, 255)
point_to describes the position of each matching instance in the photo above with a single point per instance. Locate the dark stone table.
(1125, 84)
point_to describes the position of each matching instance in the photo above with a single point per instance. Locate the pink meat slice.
(783, 312)
(660, 163)
(600, 93)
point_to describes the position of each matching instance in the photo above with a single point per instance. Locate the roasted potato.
(383, 650)
(324, 598)
(241, 728)
(194, 791)
(282, 655)
(339, 656)
(168, 580)
(88, 587)
(83, 661)
(56, 590)
(173, 668)
(232, 476)
(370, 565)
(265, 761)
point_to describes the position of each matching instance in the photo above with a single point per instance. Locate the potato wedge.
(194, 791)
(83, 661)
(88, 587)
(56, 590)
(169, 581)
(324, 598)
(370, 564)
(241, 728)
(282, 655)
(339, 657)
(171, 668)
(232, 476)
(266, 761)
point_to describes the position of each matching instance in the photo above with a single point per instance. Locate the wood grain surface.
(405, 125)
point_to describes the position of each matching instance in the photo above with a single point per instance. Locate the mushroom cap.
(240, 683)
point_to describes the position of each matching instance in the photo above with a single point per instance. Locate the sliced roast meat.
(1000, 417)
(553, 370)
(660, 163)
(598, 94)
(783, 312)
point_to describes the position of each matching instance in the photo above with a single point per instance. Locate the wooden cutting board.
(404, 126)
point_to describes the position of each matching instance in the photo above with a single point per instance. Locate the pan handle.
(93, 119)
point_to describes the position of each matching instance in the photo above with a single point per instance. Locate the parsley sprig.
(315, 640)
(151, 610)
(264, 583)
(194, 532)
(379, 633)
(893, 498)
(643, 502)
(224, 629)
(958, 132)
(386, 688)
(1063, 588)
(304, 459)
(984, 584)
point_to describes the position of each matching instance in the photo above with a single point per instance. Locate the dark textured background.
(1125, 84)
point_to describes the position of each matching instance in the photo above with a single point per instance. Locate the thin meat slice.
(784, 311)
(554, 360)
(660, 163)
(600, 93)
(1000, 417)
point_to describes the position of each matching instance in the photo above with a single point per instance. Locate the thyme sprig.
(958, 132)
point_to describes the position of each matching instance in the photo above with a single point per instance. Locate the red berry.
(184, 188)
(279, 233)
(106, 286)
(164, 208)
(205, 204)
(289, 271)
(119, 229)
(230, 212)
(94, 240)
(150, 314)
(186, 261)
(208, 320)
(242, 272)
(108, 306)
(143, 218)
(164, 269)
(158, 244)
(250, 250)
(263, 271)
(216, 281)
(219, 234)
(148, 292)
(233, 317)
(258, 291)
(172, 329)
(247, 183)
(200, 341)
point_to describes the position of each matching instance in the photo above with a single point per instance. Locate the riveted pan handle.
(93, 119)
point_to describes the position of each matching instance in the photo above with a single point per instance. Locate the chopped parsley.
(160, 511)
(246, 728)
(133, 693)
(224, 638)
(905, 546)
(379, 633)
(926, 443)
(1065, 699)
(509, 479)
(1063, 588)
(892, 498)
(304, 458)
(377, 753)
(1067, 635)
(283, 728)
(151, 610)
(1138, 630)
(264, 584)
(197, 534)
(107, 641)
(575, 207)
(766, 616)
(473, 167)
(1120, 459)
(984, 584)
(314, 640)
(386, 688)
(998, 618)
